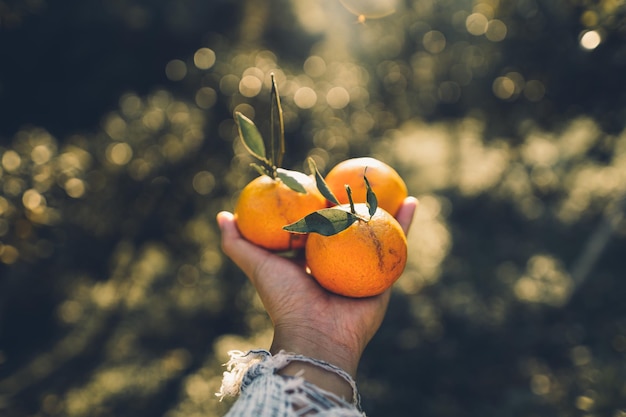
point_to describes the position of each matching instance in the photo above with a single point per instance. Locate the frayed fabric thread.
(236, 368)
(243, 368)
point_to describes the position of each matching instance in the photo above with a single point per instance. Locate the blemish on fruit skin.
(379, 249)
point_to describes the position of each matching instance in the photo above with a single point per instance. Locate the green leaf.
(372, 201)
(290, 181)
(251, 138)
(321, 184)
(277, 127)
(326, 222)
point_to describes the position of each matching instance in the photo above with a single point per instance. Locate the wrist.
(325, 379)
(317, 346)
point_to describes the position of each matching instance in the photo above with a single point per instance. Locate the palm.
(292, 297)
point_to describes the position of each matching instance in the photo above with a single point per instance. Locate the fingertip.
(224, 217)
(410, 200)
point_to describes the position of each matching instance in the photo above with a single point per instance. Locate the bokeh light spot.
(119, 153)
(41, 154)
(229, 84)
(314, 66)
(589, 18)
(176, 70)
(115, 127)
(581, 355)
(590, 40)
(305, 97)
(484, 8)
(32, 199)
(534, 90)
(206, 98)
(540, 384)
(203, 182)
(434, 41)
(496, 30)
(13, 186)
(245, 109)
(131, 105)
(476, 24)
(545, 281)
(70, 311)
(584, 403)
(211, 261)
(75, 187)
(153, 119)
(503, 88)
(204, 58)
(188, 275)
(11, 161)
(362, 121)
(8, 254)
(4, 206)
(250, 86)
(338, 97)
(198, 389)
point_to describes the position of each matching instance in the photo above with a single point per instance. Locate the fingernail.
(220, 220)
(223, 217)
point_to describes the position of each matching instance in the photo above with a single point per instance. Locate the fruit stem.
(349, 191)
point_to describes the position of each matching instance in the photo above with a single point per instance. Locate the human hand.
(307, 319)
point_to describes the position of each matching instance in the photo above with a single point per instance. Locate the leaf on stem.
(321, 184)
(251, 138)
(290, 181)
(326, 222)
(372, 201)
(277, 127)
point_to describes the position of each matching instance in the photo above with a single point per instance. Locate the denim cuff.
(253, 375)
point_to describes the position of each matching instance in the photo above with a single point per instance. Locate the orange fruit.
(361, 261)
(265, 205)
(389, 187)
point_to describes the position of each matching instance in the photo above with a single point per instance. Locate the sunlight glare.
(370, 9)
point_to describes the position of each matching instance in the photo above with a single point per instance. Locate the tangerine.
(363, 260)
(267, 204)
(385, 181)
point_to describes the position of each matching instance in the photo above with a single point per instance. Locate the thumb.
(245, 254)
(226, 223)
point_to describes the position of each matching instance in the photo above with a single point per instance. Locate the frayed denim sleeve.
(263, 392)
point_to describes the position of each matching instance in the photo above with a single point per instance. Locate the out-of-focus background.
(117, 148)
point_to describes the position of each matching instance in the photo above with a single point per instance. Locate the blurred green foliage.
(118, 147)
